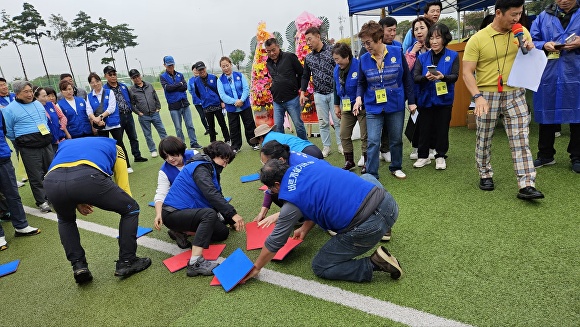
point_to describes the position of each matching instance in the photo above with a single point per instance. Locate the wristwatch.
(475, 96)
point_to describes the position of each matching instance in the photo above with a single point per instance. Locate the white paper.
(414, 116)
(528, 69)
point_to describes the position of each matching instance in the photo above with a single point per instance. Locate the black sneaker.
(576, 166)
(382, 259)
(530, 193)
(201, 267)
(486, 184)
(140, 159)
(540, 162)
(129, 267)
(81, 272)
(196, 146)
(180, 239)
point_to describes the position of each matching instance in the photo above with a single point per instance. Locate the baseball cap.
(199, 65)
(133, 73)
(109, 69)
(168, 61)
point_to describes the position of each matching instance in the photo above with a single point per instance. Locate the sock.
(193, 259)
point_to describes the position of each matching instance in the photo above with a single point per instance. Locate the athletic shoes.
(180, 239)
(127, 268)
(384, 261)
(26, 231)
(140, 159)
(201, 267)
(44, 207)
(81, 272)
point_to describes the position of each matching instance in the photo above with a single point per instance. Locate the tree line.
(28, 28)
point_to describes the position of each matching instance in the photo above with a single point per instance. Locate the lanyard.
(500, 72)
(29, 115)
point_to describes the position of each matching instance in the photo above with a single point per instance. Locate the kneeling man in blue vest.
(360, 213)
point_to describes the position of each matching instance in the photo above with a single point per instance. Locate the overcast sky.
(189, 30)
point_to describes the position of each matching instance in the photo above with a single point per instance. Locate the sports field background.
(480, 258)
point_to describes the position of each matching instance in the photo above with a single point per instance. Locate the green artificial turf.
(482, 258)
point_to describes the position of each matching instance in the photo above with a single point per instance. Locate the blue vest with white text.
(350, 83)
(171, 171)
(173, 97)
(124, 92)
(184, 192)
(427, 95)
(237, 76)
(3, 102)
(113, 119)
(78, 122)
(295, 143)
(53, 123)
(103, 152)
(208, 94)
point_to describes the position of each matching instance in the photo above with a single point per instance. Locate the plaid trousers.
(516, 119)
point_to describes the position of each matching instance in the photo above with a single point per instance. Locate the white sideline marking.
(385, 309)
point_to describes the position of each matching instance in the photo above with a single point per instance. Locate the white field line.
(405, 315)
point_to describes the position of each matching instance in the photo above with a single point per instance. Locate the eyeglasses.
(112, 74)
(367, 44)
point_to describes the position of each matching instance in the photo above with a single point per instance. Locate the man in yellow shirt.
(80, 178)
(490, 54)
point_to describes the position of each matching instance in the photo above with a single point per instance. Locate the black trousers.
(36, 162)
(204, 222)
(117, 134)
(68, 187)
(128, 125)
(434, 131)
(547, 138)
(221, 121)
(201, 113)
(236, 130)
(313, 150)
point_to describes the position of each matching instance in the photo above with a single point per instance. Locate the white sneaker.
(19, 184)
(325, 151)
(331, 232)
(130, 170)
(386, 156)
(3, 241)
(432, 153)
(557, 134)
(361, 161)
(44, 207)
(154, 154)
(399, 174)
(421, 162)
(440, 163)
(26, 230)
(340, 150)
(414, 154)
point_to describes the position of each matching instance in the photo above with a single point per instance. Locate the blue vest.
(295, 143)
(208, 95)
(4, 148)
(309, 187)
(427, 95)
(4, 103)
(196, 100)
(103, 152)
(78, 122)
(237, 76)
(124, 92)
(351, 82)
(113, 119)
(171, 171)
(53, 123)
(173, 97)
(184, 193)
(391, 81)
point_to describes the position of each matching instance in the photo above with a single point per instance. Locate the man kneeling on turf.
(360, 210)
(80, 178)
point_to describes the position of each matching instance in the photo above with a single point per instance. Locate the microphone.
(518, 31)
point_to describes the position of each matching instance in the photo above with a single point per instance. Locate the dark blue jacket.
(53, 123)
(175, 89)
(208, 92)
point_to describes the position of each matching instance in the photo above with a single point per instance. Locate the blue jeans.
(335, 260)
(325, 105)
(10, 190)
(176, 115)
(145, 122)
(293, 109)
(394, 122)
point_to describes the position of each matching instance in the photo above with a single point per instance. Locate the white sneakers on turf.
(340, 150)
(386, 156)
(130, 170)
(361, 161)
(421, 162)
(414, 154)
(432, 153)
(325, 151)
(154, 154)
(399, 174)
(440, 163)
(19, 184)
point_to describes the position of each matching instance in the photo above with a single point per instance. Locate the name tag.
(441, 88)
(346, 106)
(554, 55)
(43, 129)
(381, 95)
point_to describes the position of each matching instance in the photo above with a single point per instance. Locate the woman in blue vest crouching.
(195, 201)
(436, 72)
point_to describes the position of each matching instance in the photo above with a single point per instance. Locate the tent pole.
(354, 50)
(458, 26)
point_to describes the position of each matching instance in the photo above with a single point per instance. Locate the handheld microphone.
(518, 31)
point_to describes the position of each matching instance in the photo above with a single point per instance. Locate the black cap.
(109, 69)
(134, 73)
(199, 65)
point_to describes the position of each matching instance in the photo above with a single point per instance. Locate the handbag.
(98, 112)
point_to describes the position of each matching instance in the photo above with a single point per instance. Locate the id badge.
(43, 129)
(346, 104)
(381, 95)
(441, 88)
(554, 55)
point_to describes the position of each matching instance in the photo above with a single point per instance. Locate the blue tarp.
(413, 7)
